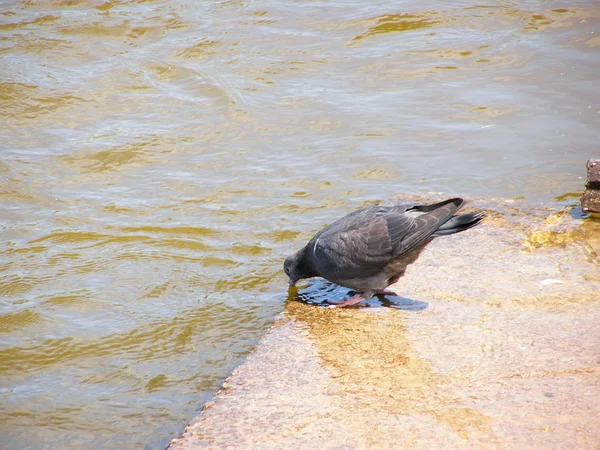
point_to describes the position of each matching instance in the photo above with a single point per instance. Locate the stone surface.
(502, 353)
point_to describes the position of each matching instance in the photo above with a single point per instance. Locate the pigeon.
(370, 249)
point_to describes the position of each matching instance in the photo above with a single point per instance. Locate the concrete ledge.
(503, 355)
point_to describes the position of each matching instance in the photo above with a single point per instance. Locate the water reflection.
(319, 292)
(372, 356)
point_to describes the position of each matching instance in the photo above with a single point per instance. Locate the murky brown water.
(159, 159)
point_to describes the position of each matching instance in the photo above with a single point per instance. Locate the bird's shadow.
(319, 291)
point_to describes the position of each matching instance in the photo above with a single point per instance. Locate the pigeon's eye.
(287, 270)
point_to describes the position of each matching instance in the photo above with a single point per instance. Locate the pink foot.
(347, 302)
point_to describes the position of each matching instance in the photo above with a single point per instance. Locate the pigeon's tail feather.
(458, 223)
(458, 203)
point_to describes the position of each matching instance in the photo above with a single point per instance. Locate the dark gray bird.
(369, 249)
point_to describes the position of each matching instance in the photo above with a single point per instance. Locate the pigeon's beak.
(293, 280)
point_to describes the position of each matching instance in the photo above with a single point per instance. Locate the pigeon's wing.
(357, 252)
(359, 246)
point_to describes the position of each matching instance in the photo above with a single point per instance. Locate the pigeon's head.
(293, 267)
